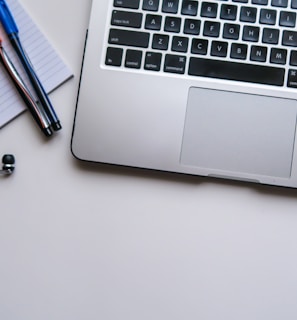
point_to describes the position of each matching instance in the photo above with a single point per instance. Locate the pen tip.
(57, 126)
(47, 131)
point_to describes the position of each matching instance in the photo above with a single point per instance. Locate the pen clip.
(7, 19)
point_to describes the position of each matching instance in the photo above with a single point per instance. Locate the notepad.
(49, 66)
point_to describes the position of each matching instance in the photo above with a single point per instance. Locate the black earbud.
(8, 164)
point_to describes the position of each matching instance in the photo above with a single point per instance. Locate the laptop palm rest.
(237, 132)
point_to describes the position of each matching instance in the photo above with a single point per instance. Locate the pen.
(12, 31)
(39, 115)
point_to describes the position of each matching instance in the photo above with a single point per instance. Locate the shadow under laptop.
(179, 178)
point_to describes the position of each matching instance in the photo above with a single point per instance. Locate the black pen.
(12, 31)
(37, 113)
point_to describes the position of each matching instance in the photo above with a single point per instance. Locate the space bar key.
(236, 71)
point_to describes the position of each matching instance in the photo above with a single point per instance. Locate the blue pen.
(12, 32)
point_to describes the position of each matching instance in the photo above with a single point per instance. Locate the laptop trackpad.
(239, 132)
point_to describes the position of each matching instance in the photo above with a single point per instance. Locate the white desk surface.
(98, 242)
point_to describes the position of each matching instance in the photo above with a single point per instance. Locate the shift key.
(129, 38)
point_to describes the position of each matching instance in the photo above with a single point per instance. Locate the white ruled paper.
(49, 67)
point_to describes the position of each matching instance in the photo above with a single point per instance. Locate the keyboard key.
(189, 8)
(175, 64)
(292, 78)
(231, 31)
(180, 44)
(261, 2)
(114, 57)
(209, 10)
(128, 38)
(150, 5)
(160, 42)
(170, 6)
(270, 36)
(278, 56)
(199, 46)
(228, 12)
(238, 51)
(268, 16)
(219, 49)
(248, 14)
(293, 58)
(289, 38)
(126, 19)
(211, 29)
(258, 53)
(153, 61)
(153, 22)
(287, 19)
(131, 4)
(279, 3)
(133, 59)
(294, 4)
(236, 71)
(192, 26)
(172, 24)
(250, 33)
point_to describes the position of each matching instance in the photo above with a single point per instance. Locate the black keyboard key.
(231, 31)
(189, 8)
(172, 24)
(199, 46)
(292, 78)
(126, 19)
(133, 59)
(219, 49)
(268, 16)
(261, 2)
(250, 33)
(279, 3)
(289, 38)
(236, 71)
(211, 29)
(170, 6)
(278, 56)
(153, 61)
(114, 57)
(228, 12)
(131, 4)
(248, 14)
(180, 44)
(258, 53)
(270, 36)
(287, 19)
(150, 5)
(160, 42)
(192, 26)
(294, 4)
(129, 38)
(153, 22)
(238, 51)
(175, 64)
(293, 58)
(209, 10)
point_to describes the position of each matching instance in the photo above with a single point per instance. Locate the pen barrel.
(32, 108)
(39, 116)
(36, 84)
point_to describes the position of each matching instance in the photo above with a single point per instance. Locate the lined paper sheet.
(49, 67)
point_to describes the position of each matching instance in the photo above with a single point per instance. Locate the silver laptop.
(198, 87)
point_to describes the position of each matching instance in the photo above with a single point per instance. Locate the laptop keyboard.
(243, 40)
